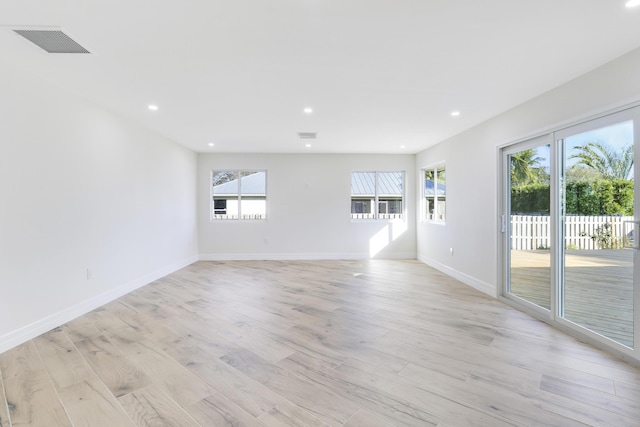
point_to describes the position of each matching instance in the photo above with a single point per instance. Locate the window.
(220, 207)
(377, 195)
(435, 193)
(237, 194)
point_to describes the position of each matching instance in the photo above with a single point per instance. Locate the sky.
(619, 135)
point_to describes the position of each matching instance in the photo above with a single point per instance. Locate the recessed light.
(153, 107)
(632, 3)
(403, 146)
(307, 145)
(308, 110)
(455, 113)
(211, 144)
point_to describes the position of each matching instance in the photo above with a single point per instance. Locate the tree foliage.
(577, 173)
(531, 198)
(601, 197)
(221, 177)
(610, 163)
(525, 168)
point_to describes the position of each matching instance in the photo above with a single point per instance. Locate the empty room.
(319, 213)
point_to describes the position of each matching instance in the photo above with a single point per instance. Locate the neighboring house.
(389, 195)
(245, 201)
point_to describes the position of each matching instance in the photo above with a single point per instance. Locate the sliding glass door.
(569, 227)
(597, 225)
(528, 222)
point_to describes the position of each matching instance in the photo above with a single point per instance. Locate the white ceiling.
(379, 74)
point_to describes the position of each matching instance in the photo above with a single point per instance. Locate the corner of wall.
(483, 287)
(43, 325)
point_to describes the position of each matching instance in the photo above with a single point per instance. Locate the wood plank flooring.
(598, 287)
(312, 343)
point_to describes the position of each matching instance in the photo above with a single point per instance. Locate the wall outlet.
(451, 251)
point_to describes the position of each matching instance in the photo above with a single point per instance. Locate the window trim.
(239, 172)
(376, 200)
(434, 167)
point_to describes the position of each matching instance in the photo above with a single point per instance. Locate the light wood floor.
(353, 343)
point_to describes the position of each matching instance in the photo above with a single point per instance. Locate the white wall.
(82, 188)
(308, 210)
(472, 167)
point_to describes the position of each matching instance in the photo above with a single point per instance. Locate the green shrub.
(601, 197)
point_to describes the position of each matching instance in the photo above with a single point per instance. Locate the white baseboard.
(302, 256)
(15, 338)
(464, 278)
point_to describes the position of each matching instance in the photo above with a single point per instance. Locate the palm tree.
(525, 168)
(608, 162)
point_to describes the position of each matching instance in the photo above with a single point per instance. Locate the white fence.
(249, 216)
(373, 216)
(534, 232)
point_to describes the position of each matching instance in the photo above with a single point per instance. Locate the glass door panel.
(528, 224)
(597, 265)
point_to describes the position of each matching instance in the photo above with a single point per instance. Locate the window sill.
(438, 223)
(365, 220)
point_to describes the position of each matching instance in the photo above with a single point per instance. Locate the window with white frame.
(435, 193)
(238, 194)
(377, 195)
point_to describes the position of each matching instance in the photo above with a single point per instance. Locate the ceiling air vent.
(52, 41)
(307, 135)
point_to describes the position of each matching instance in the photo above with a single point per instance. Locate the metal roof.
(254, 184)
(362, 184)
(389, 183)
(428, 188)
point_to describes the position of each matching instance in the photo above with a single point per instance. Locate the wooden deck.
(598, 288)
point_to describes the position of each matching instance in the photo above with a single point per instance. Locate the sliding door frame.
(554, 137)
(505, 222)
